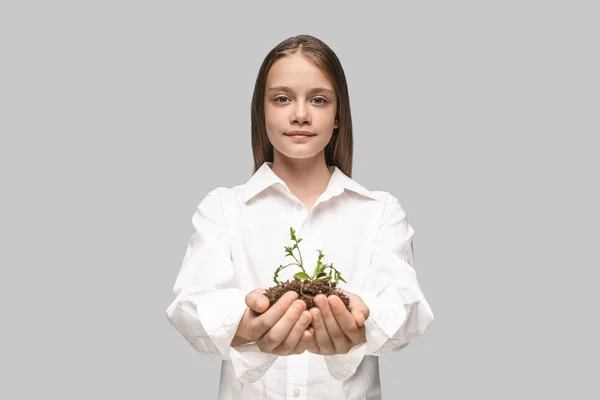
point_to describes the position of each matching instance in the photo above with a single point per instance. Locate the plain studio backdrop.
(118, 117)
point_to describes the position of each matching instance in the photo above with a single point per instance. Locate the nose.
(300, 114)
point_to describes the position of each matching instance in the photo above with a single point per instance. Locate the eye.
(278, 98)
(322, 100)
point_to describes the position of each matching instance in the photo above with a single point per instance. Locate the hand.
(280, 329)
(337, 330)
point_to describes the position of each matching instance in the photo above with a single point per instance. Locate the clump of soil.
(307, 290)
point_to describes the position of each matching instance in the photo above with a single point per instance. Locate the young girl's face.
(299, 97)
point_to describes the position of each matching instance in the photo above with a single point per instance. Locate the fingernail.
(263, 303)
(316, 314)
(291, 295)
(320, 301)
(298, 306)
(361, 319)
(303, 319)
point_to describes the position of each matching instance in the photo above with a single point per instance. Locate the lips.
(299, 133)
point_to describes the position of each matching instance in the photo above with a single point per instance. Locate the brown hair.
(338, 151)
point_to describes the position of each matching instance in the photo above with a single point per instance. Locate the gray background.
(117, 117)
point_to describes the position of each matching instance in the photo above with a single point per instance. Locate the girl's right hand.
(280, 329)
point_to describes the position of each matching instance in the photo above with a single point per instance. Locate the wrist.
(241, 335)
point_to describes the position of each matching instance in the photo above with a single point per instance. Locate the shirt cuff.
(387, 314)
(220, 313)
(343, 366)
(249, 362)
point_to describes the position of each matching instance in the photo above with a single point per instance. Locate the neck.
(304, 177)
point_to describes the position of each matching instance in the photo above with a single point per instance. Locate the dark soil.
(307, 290)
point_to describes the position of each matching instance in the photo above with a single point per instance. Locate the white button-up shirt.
(238, 241)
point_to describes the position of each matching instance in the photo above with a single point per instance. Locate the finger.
(257, 301)
(345, 320)
(359, 317)
(282, 328)
(358, 308)
(323, 342)
(312, 346)
(266, 321)
(306, 338)
(295, 334)
(337, 336)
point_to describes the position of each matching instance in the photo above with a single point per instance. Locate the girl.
(302, 144)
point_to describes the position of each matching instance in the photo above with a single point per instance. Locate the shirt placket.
(301, 213)
(297, 377)
(297, 371)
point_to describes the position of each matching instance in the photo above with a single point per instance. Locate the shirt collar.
(264, 178)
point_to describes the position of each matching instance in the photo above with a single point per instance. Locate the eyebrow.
(313, 90)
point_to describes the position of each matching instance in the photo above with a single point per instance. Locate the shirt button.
(296, 392)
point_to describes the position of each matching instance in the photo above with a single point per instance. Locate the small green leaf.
(302, 275)
(319, 269)
(338, 276)
(325, 278)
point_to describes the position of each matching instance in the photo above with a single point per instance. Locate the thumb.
(359, 309)
(257, 301)
(359, 317)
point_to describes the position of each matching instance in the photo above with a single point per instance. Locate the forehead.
(298, 72)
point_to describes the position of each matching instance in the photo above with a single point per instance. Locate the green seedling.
(320, 272)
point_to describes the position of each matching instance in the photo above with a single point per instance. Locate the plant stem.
(298, 263)
(300, 254)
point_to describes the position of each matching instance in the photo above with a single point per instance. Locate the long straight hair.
(339, 150)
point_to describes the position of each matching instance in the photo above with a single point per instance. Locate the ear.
(336, 124)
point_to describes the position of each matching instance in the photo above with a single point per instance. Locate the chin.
(299, 154)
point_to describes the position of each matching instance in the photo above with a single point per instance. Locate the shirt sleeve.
(209, 304)
(398, 309)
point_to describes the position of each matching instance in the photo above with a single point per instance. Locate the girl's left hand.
(336, 330)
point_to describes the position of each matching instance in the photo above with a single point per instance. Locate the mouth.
(298, 134)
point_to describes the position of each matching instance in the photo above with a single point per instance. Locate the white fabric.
(238, 241)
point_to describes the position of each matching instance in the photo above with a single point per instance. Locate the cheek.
(275, 122)
(326, 139)
(327, 117)
(270, 123)
(272, 115)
